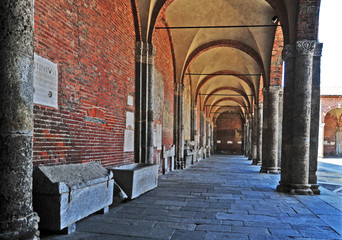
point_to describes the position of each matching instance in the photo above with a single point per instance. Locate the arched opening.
(333, 133)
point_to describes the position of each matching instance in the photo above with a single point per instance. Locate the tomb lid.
(67, 177)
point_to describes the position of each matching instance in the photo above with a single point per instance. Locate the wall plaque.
(45, 82)
(129, 133)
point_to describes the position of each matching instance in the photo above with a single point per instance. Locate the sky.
(330, 34)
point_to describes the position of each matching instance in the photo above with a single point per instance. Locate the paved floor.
(223, 197)
(330, 174)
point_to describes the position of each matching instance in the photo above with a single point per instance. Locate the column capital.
(305, 47)
(274, 89)
(288, 51)
(179, 88)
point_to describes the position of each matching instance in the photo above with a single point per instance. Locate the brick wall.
(164, 74)
(328, 103)
(229, 133)
(93, 44)
(276, 69)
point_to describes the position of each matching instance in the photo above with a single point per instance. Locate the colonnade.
(288, 122)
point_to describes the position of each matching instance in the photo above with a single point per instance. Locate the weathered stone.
(315, 112)
(168, 154)
(136, 179)
(17, 219)
(119, 194)
(64, 194)
(270, 161)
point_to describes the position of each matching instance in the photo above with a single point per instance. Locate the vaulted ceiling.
(222, 48)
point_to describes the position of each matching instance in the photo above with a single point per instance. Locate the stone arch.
(215, 74)
(242, 93)
(225, 43)
(278, 6)
(136, 20)
(332, 138)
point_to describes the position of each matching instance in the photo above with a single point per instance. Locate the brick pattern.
(328, 103)
(164, 64)
(308, 16)
(276, 69)
(93, 44)
(230, 133)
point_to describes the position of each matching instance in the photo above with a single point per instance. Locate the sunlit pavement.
(330, 174)
(224, 197)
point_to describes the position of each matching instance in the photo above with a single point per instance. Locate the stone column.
(143, 103)
(288, 103)
(255, 136)
(280, 125)
(250, 137)
(299, 176)
(270, 163)
(265, 126)
(181, 125)
(214, 138)
(245, 138)
(150, 99)
(195, 131)
(259, 150)
(138, 102)
(17, 219)
(315, 118)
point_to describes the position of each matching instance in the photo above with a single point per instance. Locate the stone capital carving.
(318, 50)
(288, 51)
(305, 47)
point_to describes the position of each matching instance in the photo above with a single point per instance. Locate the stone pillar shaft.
(286, 153)
(265, 127)
(259, 150)
(150, 100)
(138, 102)
(315, 118)
(255, 136)
(296, 176)
(17, 219)
(270, 163)
(299, 182)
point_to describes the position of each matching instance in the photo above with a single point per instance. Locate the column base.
(22, 228)
(295, 189)
(315, 190)
(270, 170)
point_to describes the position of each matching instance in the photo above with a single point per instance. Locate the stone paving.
(223, 197)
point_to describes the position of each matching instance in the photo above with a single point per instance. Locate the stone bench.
(136, 178)
(64, 194)
(168, 154)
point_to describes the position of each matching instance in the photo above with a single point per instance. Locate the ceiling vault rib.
(223, 26)
(223, 74)
(218, 94)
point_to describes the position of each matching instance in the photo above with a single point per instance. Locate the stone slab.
(136, 179)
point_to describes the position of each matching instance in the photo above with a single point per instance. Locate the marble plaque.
(45, 82)
(158, 137)
(129, 120)
(129, 140)
(130, 101)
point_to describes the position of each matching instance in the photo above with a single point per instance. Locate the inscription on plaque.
(45, 82)
(129, 133)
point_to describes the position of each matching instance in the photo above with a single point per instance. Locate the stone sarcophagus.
(64, 194)
(136, 178)
(189, 153)
(168, 154)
